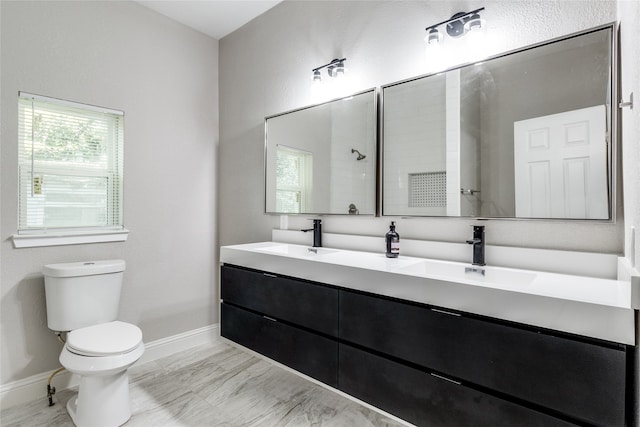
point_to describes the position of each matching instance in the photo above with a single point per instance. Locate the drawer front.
(426, 400)
(582, 380)
(302, 303)
(311, 354)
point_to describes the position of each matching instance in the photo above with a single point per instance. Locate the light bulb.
(433, 37)
(474, 23)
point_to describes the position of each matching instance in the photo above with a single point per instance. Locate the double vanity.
(539, 337)
(529, 134)
(436, 342)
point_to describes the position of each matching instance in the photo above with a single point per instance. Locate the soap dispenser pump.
(393, 241)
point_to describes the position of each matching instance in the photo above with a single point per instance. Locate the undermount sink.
(295, 250)
(454, 271)
(445, 270)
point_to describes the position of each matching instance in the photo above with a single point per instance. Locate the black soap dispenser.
(393, 241)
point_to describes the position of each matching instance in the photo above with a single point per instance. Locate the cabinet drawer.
(426, 400)
(583, 380)
(302, 303)
(311, 354)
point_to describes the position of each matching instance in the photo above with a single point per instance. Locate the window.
(70, 167)
(293, 180)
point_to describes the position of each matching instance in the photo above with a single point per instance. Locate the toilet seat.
(105, 339)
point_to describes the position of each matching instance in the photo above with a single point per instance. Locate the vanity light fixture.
(457, 26)
(334, 68)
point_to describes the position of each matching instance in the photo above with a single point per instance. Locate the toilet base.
(102, 401)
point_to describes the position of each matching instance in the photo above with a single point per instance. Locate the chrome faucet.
(478, 244)
(317, 233)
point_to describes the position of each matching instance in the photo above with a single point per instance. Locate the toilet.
(83, 299)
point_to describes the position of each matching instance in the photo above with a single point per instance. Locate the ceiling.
(215, 18)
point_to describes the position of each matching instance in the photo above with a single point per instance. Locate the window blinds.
(70, 165)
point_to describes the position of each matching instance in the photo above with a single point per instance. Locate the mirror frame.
(611, 140)
(375, 92)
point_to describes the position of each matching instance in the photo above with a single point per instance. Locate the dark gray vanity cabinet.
(428, 365)
(425, 399)
(311, 354)
(578, 379)
(291, 321)
(299, 302)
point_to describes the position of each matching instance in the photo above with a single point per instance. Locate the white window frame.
(305, 174)
(112, 231)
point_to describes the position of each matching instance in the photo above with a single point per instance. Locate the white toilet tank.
(82, 294)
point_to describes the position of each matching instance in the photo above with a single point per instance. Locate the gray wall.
(265, 68)
(291, 130)
(164, 76)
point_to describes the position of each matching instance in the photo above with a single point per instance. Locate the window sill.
(69, 238)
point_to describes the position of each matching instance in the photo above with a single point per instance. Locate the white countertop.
(588, 306)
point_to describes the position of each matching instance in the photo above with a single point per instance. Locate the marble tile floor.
(215, 385)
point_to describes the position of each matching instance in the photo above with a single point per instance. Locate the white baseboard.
(35, 386)
(167, 346)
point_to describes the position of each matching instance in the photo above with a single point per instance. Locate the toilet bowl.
(102, 355)
(82, 298)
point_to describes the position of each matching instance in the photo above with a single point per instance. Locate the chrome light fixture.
(334, 68)
(457, 26)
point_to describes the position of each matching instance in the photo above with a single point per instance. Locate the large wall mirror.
(523, 135)
(322, 159)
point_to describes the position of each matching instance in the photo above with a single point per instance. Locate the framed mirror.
(322, 159)
(528, 134)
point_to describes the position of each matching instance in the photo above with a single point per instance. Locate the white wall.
(470, 153)
(265, 68)
(352, 127)
(629, 15)
(164, 76)
(416, 135)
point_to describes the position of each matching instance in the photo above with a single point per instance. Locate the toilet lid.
(105, 339)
